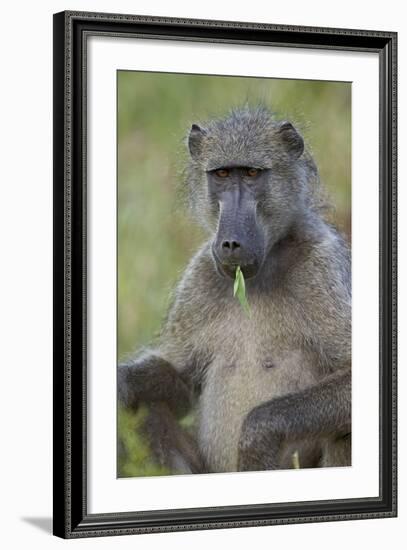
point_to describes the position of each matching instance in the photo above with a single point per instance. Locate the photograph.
(234, 309)
(225, 253)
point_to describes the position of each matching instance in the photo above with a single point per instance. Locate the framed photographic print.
(224, 274)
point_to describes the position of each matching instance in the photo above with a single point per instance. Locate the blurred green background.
(155, 236)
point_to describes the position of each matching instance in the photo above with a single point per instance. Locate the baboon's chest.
(255, 360)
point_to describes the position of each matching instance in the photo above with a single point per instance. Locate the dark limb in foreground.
(151, 379)
(172, 446)
(154, 382)
(320, 413)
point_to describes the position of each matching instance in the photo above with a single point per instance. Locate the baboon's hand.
(261, 438)
(151, 379)
(323, 409)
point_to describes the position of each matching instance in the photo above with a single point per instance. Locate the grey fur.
(279, 380)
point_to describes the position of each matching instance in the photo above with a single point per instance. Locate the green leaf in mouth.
(239, 291)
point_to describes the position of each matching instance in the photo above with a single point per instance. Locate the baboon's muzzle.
(239, 240)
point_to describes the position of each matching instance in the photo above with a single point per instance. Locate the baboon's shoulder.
(199, 291)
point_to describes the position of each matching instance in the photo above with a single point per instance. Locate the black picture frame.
(71, 518)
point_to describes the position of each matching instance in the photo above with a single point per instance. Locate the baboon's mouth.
(229, 270)
(248, 271)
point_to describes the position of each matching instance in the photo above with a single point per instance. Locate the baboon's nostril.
(231, 245)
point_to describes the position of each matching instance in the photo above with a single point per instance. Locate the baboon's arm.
(319, 411)
(171, 445)
(152, 379)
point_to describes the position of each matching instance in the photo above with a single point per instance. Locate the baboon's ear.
(292, 140)
(195, 139)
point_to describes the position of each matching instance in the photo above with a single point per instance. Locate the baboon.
(278, 380)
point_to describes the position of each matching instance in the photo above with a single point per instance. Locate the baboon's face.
(240, 238)
(246, 186)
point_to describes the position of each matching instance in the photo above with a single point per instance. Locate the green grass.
(155, 237)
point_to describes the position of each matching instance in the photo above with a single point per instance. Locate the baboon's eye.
(222, 173)
(252, 172)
